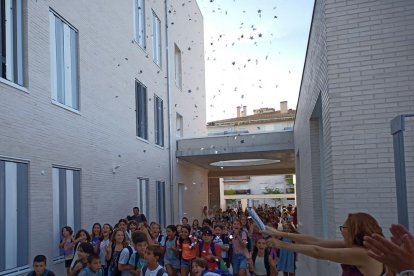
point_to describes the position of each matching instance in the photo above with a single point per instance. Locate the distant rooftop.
(261, 115)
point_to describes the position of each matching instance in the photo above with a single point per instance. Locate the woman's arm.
(356, 256)
(305, 239)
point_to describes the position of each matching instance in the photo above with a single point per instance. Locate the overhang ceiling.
(270, 145)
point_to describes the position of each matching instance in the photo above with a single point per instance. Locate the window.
(14, 233)
(178, 67)
(161, 203)
(139, 22)
(66, 203)
(181, 189)
(141, 110)
(64, 61)
(159, 121)
(11, 41)
(179, 126)
(143, 195)
(156, 38)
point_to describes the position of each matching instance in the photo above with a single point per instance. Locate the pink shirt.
(237, 247)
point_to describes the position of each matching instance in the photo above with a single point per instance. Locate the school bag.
(114, 268)
(220, 263)
(160, 272)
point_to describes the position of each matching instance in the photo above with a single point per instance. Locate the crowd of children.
(226, 243)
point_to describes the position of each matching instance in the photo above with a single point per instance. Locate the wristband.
(409, 272)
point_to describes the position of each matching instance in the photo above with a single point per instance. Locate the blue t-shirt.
(137, 264)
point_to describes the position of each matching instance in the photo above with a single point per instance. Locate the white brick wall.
(360, 60)
(103, 134)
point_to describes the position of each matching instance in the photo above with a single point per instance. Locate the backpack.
(114, 269)
(212, 248)
(220, 263)
(160, 272)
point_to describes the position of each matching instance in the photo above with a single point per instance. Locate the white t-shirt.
(124, 258)
(154, 272)
(102, 251)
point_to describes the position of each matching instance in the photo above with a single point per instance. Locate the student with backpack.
(137, 261)
(263, 261)
(114, 249)
(124, 257)
(158, 238)
(171, 256)
(188, 249)
(239, 249)
(208, 250)
(153, 268)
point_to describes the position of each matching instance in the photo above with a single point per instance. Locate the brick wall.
(103, 134)
(360, 62)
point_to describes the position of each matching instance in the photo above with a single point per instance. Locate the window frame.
(178, 67)
(66, 184)
(141, 110)
(156, 39)
(179, 125)
(12, 43)
(64, 62)
(143, 193)
(139, 23)
(161, 206)
(158, 121)
(14, 195)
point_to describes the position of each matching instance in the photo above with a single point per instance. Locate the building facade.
(93, 96)
(358, 76)
(256, 189)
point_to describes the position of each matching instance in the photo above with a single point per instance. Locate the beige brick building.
(358, 76)
(93, 95)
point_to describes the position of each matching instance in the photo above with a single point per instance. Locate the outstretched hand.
(274, 243)
(398, 256)
(398, 231)
(271, 232)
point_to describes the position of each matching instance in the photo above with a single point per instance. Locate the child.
(208, 250)
(152, 255)
(96, 236)
(158, 238)
(240, 252)
(199, 268)
(67, 233)
(106, 236)
(132, 227)
(84, 250)
(114, 248)
(81, 236)
(93, 268)
(287, 257)
(171, 257)
(223, 240)
(137, 261)
(188, 247)
(39, 267)
(263, 262)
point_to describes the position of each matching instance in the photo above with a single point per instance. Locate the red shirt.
(206, 251)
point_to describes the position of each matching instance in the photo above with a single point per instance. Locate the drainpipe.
(169, 97)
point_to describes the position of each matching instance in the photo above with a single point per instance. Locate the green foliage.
(229, 192)
(270, 191)
(289, 180)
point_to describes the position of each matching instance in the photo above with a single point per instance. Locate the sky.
(254, 53)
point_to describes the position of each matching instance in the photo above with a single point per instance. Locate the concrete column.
(244, 203)
(222, 199)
